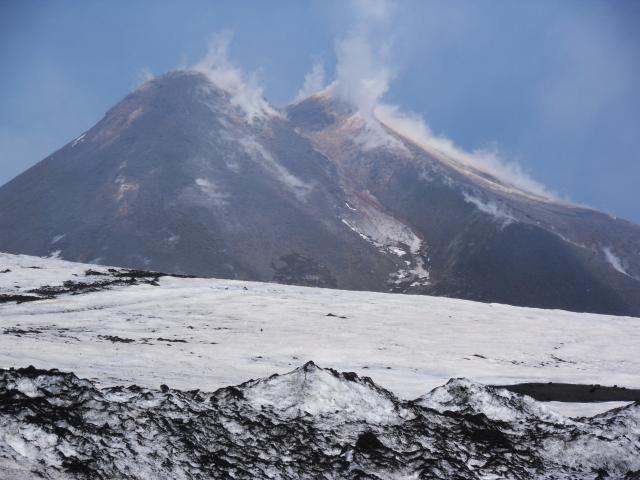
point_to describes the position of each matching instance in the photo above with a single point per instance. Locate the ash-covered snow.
(117, 327)
(309, 423)
(315, 391)
(204, 333)
(463, 395)
(367, 219)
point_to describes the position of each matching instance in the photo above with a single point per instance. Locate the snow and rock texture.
(205, 333)
(308, 423)
(178, 178)
(482, 239)
(175, 178)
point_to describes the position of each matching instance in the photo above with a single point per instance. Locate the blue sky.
(550, 85)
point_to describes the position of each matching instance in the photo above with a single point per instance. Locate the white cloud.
(142, 76)
(246, 93)
(314, 81)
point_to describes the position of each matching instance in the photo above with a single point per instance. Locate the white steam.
(363, 76)
(314, 81)
(145, 75)
(142, 76)
(246, 93)
(414, 128)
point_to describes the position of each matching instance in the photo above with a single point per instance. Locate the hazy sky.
(551, 85)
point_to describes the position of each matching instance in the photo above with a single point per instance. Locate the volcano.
(181, 177)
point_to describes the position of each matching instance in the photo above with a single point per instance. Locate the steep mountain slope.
(482, 238)
(179, 177)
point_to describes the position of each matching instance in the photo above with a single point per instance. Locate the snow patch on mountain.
(500, 213)
(124, 187)
(388, 234)
(260, 154)
(213, 192)
(57, 238)
(78, 140)
(383, 230)
(615, 261)
(414, 275)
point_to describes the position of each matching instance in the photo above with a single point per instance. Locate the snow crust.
(367, 219)
(316, 391)
(206, 334)
(229, 331)
(463, 395)
(308, 423)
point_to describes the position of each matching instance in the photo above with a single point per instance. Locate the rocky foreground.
(309, 423)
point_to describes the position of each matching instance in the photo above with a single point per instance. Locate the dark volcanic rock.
(309, 423)
(571, 392)
(177, 178)
(485, 240)
(6, 298)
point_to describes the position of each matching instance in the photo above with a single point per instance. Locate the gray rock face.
(176, 178)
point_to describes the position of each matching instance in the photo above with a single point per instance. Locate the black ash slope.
(176, 178)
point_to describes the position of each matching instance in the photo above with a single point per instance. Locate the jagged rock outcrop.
(309, 423)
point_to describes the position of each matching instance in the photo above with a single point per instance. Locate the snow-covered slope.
(205, 333)
(328, 425)
(117, 327)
